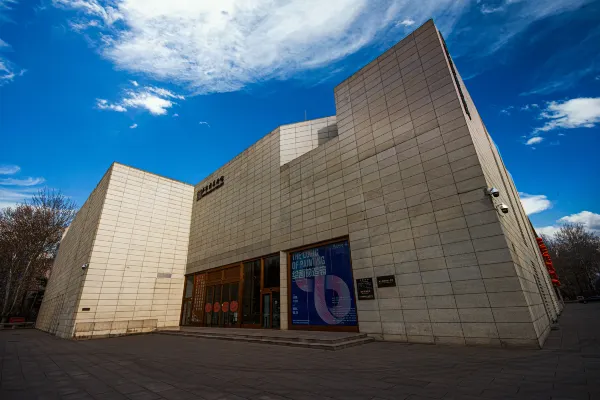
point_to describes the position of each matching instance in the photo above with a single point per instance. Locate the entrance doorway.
(271, 307)
(243, 295)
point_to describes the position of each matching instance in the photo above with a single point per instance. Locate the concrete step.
(313, 343)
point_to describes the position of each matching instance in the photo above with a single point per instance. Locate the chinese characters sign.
(322, 287)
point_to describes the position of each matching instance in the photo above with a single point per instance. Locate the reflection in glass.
(233, 304)
(266, 310)
(216, 306)
(187, 313)
(189, 286)
(251, 294)
(209, 302)
(272, 271)
(276, 309)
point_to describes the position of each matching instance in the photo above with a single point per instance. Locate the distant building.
(377, 220)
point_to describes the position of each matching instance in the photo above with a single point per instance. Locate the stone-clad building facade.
(376, 220)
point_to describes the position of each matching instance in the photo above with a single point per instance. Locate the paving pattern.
(35, 365)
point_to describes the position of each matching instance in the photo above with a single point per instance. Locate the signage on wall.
(322, 289)
(386, 281)
(365, 290)
(217, 183)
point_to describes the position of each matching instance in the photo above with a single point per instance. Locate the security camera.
(493, 192)
(85, 266)
(504, 208)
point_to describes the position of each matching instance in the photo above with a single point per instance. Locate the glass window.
(189, 286)
(208, 305)
(216, 306)
(272, 271)
(251, 294)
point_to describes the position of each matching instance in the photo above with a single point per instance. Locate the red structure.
(548, 262)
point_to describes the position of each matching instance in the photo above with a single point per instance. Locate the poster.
(322, 287)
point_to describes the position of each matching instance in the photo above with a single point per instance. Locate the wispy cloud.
(21, 182)
(9, 169)
(224, 46)
(534, 140)
(507, 110)
(155, 100)
(133, 126)
(204, 123)
(175, 115)
(103, 104)
(530, 107)
(8, 70)
(574, 113)
(534, 203)
(15, 190)
(577, 62)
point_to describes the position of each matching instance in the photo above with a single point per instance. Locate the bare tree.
(575, 254)
(29, 238)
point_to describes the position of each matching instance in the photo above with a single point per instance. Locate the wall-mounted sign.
(386, 281)
(365, 290)
(217, 183)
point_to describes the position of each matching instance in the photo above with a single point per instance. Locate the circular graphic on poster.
(233, 306)
(208, 307)
(225, 307)
(217, 307)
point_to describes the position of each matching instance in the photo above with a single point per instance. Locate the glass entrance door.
(270, 309)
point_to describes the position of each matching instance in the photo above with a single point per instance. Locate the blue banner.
(322, 286)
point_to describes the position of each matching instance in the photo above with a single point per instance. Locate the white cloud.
(175, 115)
(149, 100)
(406, 22)
(133, 126)
(9, 169)
(507, 110)
(589, 220)
(105, 105)
(534, 140)
(21, 182)
(152, 99)
(222, 46)
(547, 230)
(204, 123)
(4, 44)
(581, 112)
(210, 46)
(534, 203)
(134, 83)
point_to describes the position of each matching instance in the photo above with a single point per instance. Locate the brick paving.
(39, 366)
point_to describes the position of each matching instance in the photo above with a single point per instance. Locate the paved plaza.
(39, 366)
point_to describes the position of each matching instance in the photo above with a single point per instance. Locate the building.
(378, 220)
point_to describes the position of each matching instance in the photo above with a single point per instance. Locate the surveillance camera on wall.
(85, 266)
(493, 192)
(504, 208)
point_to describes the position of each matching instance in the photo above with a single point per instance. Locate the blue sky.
(180, 87)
